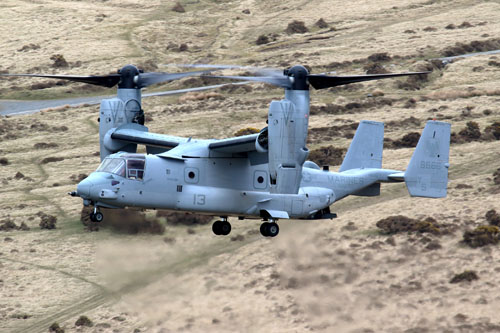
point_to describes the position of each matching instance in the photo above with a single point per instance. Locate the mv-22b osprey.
(259, 176)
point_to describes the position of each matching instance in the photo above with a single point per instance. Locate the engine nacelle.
(262, 143)
(287, 126)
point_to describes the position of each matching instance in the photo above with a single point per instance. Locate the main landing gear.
(96, 215)
(222, 227)
(269, 229)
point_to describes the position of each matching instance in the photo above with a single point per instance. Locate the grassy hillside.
(342, 275)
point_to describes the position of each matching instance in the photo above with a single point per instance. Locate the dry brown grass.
(223, 285)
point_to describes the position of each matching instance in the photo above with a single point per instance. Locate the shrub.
(296, 27)
(246, 131)
(399, 223)
(321, 23)
(59, 61)
(47, 221)
(493, 217)
(329, 155)
(471, 132)
(178, 8)
(262, 39)
(464, 276)
(481, 236)
(84, 321)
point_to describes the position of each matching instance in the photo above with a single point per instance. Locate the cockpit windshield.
(113, 165)
(130, 166)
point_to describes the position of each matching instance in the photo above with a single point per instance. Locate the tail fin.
(366, 148)
(427, 173)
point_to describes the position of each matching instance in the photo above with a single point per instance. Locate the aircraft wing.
(240, 144)
(138, 136)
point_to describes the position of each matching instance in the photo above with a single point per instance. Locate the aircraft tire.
(225, 228)
(263, 229)
(92, 217)
(98, 217)
(216, 227)
(272, 229)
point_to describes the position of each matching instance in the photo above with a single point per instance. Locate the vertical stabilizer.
(366, 148)
(427, 173)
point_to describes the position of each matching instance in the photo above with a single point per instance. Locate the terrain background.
(342, 275)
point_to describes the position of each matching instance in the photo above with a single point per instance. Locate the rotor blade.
(13, 107)
(325, 81)
(182, 91)
(100, 80)
(147, 79)
(280, 81)
(261, 71)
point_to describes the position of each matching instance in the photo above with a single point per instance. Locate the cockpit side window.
(135, 169)
(113, 165)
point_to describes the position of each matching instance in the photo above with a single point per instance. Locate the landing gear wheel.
(225, 228)
(98, 217)
(216, 227)
(273, 229)
(269, 229)
(263, 229)
(92, 217)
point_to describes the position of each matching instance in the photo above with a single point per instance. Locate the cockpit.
(128, 165)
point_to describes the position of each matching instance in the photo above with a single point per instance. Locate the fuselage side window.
(135, 169)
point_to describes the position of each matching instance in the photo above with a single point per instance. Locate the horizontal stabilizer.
(427, 173)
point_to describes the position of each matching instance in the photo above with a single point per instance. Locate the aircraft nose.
(83, 188)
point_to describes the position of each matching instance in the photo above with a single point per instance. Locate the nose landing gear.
(96, 215)
(222, 227)
(269, 229)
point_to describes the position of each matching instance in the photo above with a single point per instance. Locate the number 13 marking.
(199, 199)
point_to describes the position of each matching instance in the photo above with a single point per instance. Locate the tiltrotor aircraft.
(258, 176)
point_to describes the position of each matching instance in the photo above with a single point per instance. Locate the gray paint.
(226, 185)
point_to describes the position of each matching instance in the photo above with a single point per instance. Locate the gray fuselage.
(220, 186)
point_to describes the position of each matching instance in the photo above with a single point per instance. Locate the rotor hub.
(298, 75)
(128, 77)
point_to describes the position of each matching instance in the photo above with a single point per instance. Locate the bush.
(178, 8)
(296, 27)
(84, 321)
(374, 68)
(465, 276)
(383, 56)
(399, 223)
(471, 132)
(493, 130)
(321, 23)
(493, 217)
(246, 131)
(262, 39)
(481, 236)
(51, 159)
(55, 328)
(59, 61)
(329, 155)
(47, 221)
